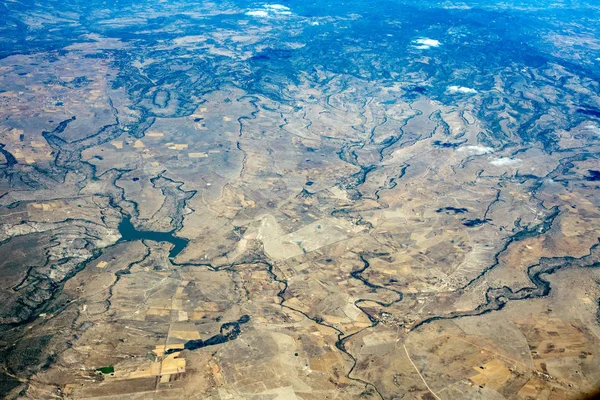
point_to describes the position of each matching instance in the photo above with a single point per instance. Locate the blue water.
(130, 234)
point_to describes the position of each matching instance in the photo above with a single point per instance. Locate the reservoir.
(130, 234)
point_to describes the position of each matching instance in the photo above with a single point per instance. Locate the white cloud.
(426, 43)
(592, 128)
(505, 161)
(461, 6)
(476, 149)
(276, 7)
(460, 89)
(270, 10)
(258, 13)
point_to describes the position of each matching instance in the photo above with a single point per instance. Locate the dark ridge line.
(125, 271)
(396, 139)
(94, 135)
(347, 155)
(68, 154)
(254, 101)
(497, 298)
(361, 127)
(56, 289)
(187, 195)
(343, 86)
(358, 276)
(10, 159)
(244, 159)
(537, 230)
(60, 128)
(489, 207)
(358, 178)
(115, 203)
(564, 166)
(437, 116)
(598, 310)
(484, 220)
(383, 122)
(392, 182)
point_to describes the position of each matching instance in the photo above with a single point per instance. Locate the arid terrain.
(304, 200)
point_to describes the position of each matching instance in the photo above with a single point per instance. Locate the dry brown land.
(442, 264)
